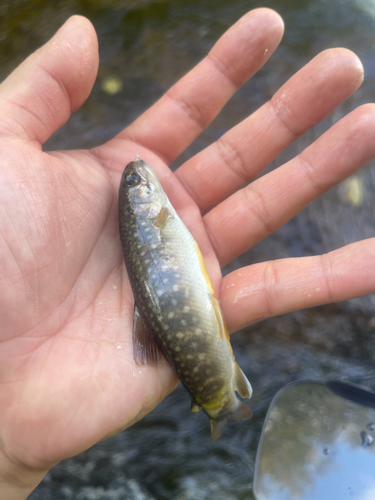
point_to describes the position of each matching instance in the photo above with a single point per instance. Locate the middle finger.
(245, 150)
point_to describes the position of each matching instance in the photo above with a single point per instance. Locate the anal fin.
(145, 348)
(242, 385)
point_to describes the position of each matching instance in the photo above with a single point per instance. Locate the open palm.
(67, 375)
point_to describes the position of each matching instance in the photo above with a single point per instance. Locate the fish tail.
(218, 427)
(242, 412)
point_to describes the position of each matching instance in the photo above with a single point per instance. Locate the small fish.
(177, 315)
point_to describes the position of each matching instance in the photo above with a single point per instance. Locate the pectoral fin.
(162, 217)
(145, 349)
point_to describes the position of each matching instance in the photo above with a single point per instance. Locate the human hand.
(67, 305)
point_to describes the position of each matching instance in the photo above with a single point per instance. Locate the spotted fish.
(177, 315)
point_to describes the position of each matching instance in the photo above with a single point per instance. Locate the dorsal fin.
(145, 349)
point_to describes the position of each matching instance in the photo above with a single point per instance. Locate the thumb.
(40, 95)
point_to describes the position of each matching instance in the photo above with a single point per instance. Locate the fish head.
(142, 189)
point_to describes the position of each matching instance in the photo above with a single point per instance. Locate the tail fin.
(218, 427)
(242, 412)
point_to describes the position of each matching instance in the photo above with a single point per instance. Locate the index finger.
(171, 124)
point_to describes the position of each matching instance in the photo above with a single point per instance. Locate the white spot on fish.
(165, 280)
(198, 331)
(178, 349)
(170, 315)
(159, 292)
(201, 356)
(119, 347)
(179, 335)
(153, 246)
(186, 309)
(174, 302)
(189, 356)
(194, 345)
(187, 292)
(183, 322)
(175, 288)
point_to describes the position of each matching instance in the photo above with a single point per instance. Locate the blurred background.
(146, 46)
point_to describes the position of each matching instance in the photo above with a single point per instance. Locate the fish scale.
(177, 313)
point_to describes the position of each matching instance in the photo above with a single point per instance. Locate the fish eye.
(132, 179)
